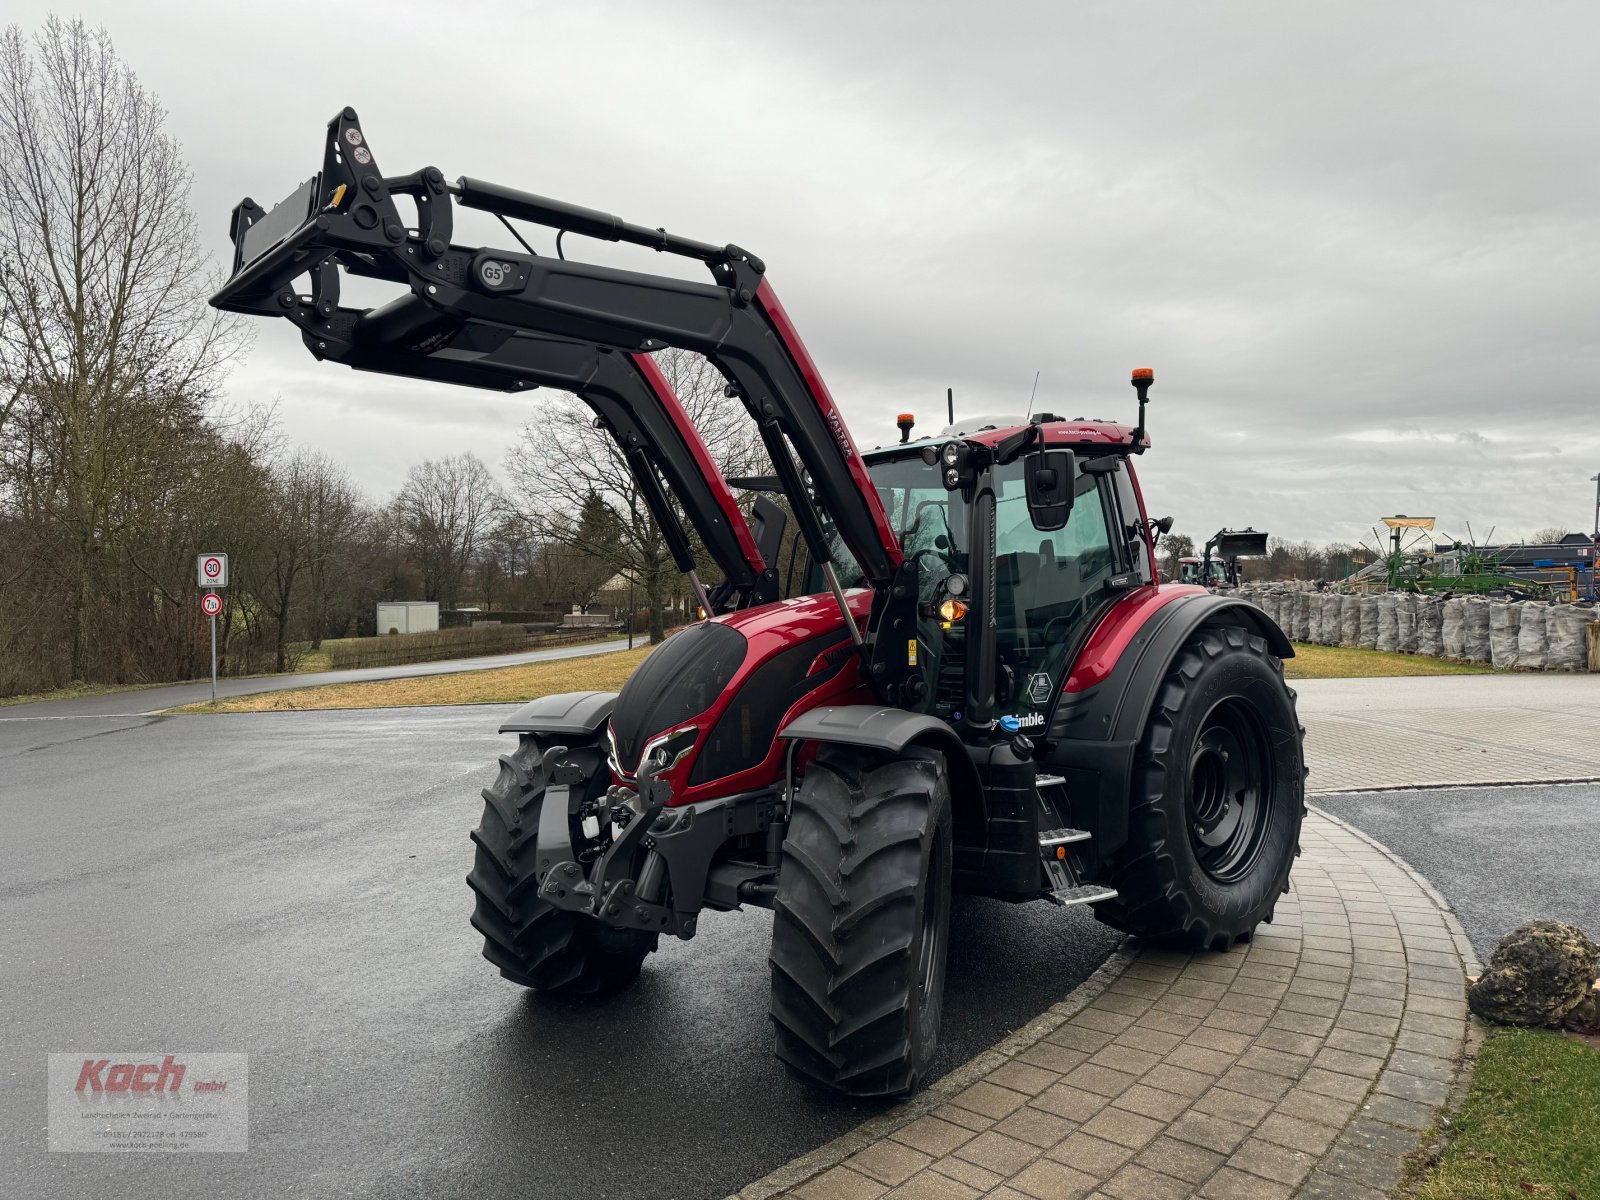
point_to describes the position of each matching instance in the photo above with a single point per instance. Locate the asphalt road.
(1500, 855)
(157, 699)
(290, 886)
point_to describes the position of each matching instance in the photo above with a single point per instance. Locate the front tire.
(1218, 795)
(533, 943)
(861, 921)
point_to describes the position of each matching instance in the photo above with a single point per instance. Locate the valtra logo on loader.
(894, 724)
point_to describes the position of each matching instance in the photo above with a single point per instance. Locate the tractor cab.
(1062, 538)
(1205, 572)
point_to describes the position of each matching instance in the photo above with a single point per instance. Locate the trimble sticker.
(143, 1103)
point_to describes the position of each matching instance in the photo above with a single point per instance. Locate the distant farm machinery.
(1558, 571)
(1218, 566)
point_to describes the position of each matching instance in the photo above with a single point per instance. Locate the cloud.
(1357, 242)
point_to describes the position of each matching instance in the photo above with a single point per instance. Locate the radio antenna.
(1031, 395)
(950, 403)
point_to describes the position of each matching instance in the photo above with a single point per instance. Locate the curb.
(874, 1129)
(1444, 787)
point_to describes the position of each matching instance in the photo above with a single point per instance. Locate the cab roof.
(1058, 432)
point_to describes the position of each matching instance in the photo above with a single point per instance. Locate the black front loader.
(492, 318)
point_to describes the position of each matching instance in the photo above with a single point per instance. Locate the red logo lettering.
(130, 1077)
(90, 1074)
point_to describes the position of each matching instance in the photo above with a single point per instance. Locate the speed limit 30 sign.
(211, 604)
(212, 570)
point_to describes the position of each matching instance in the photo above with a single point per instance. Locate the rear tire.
(1218, 795)
(861, 921)
(533, 943)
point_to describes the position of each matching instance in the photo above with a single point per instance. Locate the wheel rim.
(935, 923)
(1230, 787)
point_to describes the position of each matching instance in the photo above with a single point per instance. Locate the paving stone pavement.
(1450, 729)
(1304, 1063)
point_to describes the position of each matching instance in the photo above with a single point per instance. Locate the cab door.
(1048, 585)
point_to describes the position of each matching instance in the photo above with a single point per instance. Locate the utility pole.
(1594, 554)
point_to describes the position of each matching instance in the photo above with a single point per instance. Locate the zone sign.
(212, 570)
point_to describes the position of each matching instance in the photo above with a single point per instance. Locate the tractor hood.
(710, 701)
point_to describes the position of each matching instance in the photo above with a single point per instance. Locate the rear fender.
(1095, 727)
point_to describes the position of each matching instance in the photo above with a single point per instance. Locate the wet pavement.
(1500, 855)
(290, 886)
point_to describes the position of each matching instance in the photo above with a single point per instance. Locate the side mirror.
(1049, 475)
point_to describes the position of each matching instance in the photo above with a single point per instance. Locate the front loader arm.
(356, 229)
(346, 218)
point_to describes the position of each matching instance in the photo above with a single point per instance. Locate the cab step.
(1062, 837)
(1083, 893)
(1049, 780)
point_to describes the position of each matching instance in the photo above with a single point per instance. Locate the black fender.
(570, 714)
(1093, 735)
(892, 730)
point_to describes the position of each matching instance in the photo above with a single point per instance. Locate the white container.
(408, 616)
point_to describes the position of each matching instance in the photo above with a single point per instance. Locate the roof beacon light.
(905, 421)
(1143, 378)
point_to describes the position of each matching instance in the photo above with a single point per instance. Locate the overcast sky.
(1359, 242)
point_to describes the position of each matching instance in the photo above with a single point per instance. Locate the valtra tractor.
(1229, 546)
(984, 688)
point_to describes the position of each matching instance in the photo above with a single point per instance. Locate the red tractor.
(983, 689)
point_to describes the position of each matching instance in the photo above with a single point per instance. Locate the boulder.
(1537, 975)
(1585, 1018)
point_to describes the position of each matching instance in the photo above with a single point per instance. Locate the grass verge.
(500, 685)
(79, 690)
(1530, 1125)
(1338, 662)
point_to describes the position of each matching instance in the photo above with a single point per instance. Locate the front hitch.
(607, 890)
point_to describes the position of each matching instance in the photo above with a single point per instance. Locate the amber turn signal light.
(952, 610)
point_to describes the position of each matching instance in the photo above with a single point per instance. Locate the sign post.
(212, 573)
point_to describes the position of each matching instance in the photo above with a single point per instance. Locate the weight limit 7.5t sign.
(212, 570)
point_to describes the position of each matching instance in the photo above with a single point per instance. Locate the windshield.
(930, 522)
(1046, 583)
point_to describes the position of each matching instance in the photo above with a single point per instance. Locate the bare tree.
(1173, 547)
(1548, 537)
(335, 522)
(563, 466)
(106, 343)
(447, 508)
